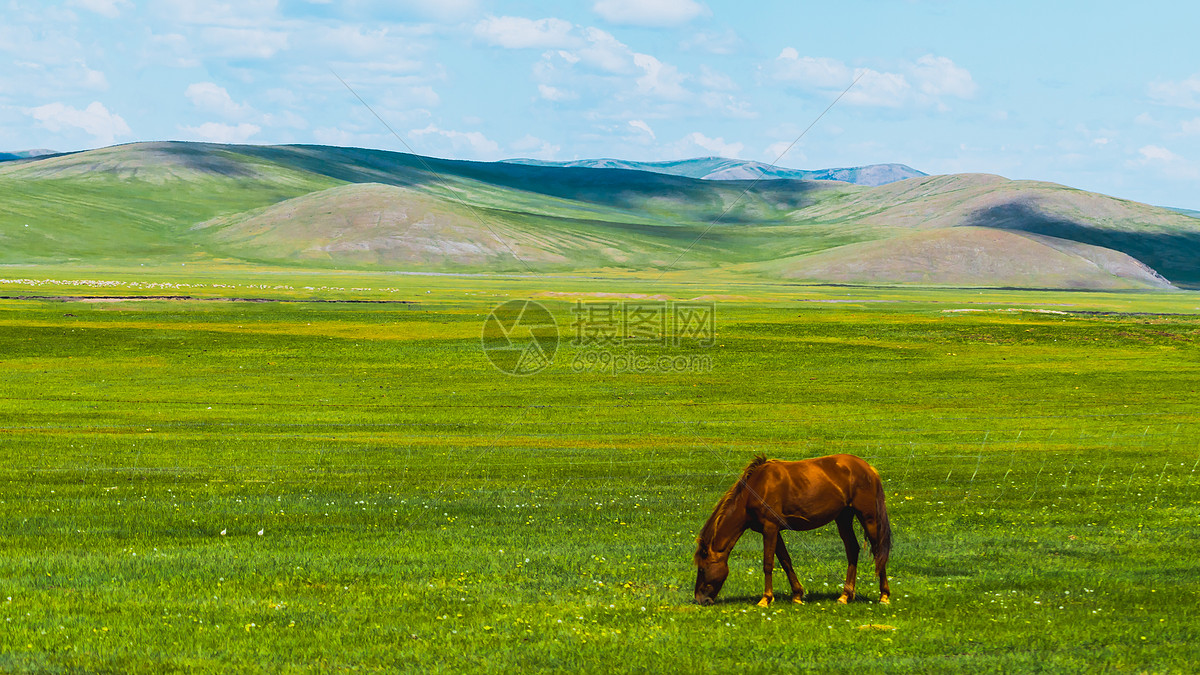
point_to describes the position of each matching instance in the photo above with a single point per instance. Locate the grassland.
(312, 486)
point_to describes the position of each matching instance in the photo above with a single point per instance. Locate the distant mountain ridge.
(721, 168)
(1187, 212)
(9, 155)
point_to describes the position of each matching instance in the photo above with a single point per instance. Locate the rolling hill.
(945, 256)
(330, 207)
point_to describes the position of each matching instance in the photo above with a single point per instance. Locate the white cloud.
(244, 43)
(106, 8)
(93, 79)
(722, 44)
(443, 10)
(890, 90)
(939, 76)
(1191, 127)
(1148, 120)
(555, 94)
(480, 146)
(514, 32)
(393, 43)
(656, 13)
(44, 62)
(711, 79)
(774, 153)
(95, 120)
(176, 46)
(935, 77)
(536, 147)
(334, 136)
(660, 80)
(642, 126)
(283, 96)
(210, 97)
(605, 52)
(286, 119)
(604, 64)
(216, 132)
(811, 71)
(1157, 153)
(437, 10)
(1165, 162)
(1182, 94)
(716, 146)
(374, 79)
(351, 139)
(244, 13)
(728, 105)
(422, 95)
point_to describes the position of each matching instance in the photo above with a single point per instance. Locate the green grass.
(421, 510)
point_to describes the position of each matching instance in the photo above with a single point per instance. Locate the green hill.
(946, 256)
(316, 206)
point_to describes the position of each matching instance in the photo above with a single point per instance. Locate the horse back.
(812, 492)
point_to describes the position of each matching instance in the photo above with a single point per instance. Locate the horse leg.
(871, 528)
(785, 561)
(770, 536)
(845, 525)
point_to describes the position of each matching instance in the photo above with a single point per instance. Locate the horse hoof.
(764, 603)
(842, 600)
(798, 599)
(885, 600)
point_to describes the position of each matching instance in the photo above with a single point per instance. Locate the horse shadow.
(810, 598)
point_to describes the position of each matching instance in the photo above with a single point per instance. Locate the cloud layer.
(640, 79)
(927, 81)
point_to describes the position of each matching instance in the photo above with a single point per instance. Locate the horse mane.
(718, 514)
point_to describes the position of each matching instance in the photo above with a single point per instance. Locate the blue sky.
(1096, 95)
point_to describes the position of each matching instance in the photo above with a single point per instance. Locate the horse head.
(712, 568)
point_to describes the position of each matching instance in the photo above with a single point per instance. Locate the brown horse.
(772, 496)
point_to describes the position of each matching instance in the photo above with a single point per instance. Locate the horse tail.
(881, 550)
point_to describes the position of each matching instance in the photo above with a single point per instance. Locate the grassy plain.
(311, 486)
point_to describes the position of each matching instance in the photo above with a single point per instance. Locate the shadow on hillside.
(610, 187)
(200, 157)
(1174, 255)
